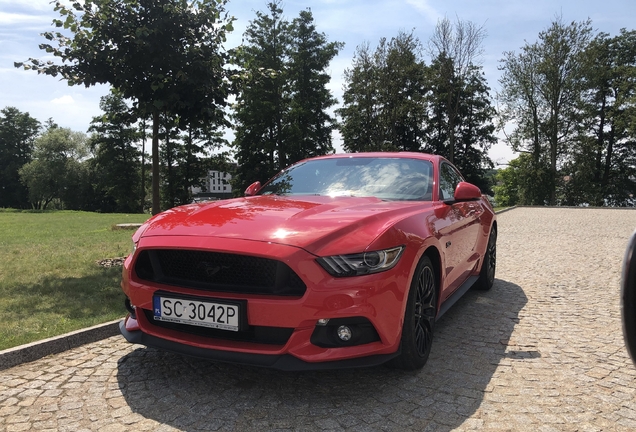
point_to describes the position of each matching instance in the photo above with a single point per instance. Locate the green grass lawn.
(50, 282)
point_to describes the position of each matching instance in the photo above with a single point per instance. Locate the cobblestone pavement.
(542, 351)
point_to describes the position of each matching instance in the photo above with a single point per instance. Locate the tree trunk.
(143, 166)
(156, 205)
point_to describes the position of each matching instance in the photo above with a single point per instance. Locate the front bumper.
(285, 362)
(378, 298)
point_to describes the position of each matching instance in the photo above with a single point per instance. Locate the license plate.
(198, 313)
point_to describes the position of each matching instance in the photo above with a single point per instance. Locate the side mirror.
(466, 191)
(253, 188)
(628, 297)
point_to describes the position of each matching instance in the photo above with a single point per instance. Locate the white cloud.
(41, 5)
(426, 9)
(64, 100)
(8, 18)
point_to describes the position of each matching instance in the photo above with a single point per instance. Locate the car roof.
(392, 155)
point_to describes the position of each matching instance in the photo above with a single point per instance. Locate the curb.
(57, 344)
(506, 209)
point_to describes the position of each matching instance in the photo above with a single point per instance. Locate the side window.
(448, 180)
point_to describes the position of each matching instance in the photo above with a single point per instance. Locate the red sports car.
(338, 261)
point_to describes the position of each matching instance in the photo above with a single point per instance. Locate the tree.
(280, 113)
(116, 161)
(475, 130)
(541, 90)
(17, 134)
(384, 107)
(310, 123)
(165, 55)
(456, 48)
(263, 97)
(55, 171)
(360, 112)
(602, 166)
(515, 185)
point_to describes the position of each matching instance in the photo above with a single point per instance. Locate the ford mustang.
(338, 261)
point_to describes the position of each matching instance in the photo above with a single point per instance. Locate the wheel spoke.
(492, 257)
(424, 310)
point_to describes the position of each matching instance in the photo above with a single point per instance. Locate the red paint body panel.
(296, 230)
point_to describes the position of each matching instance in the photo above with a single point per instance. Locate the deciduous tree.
(55, 171)
(165, 55)
(18, 131)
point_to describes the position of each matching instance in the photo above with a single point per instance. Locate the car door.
(459, 229)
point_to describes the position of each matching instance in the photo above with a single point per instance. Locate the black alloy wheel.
(487, 274)
(419, 318)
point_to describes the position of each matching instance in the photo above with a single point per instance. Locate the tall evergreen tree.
(475, 130)
(457, 47)
(309, 122)
(263, 97)
(280, 114)
(18, 131)
(360, 124)
(384, 99)
(116, 160)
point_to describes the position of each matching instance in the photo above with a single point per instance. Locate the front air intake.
(216, 271)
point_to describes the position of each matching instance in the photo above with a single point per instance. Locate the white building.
(216, 185)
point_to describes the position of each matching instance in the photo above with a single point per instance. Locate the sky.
(509, 24)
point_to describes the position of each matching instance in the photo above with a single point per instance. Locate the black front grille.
(215, 271)
(254, 334)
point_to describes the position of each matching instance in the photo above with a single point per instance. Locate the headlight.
(361, 263)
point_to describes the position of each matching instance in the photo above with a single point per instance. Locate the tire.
(419, 318)
(487, 273)
(628, 297)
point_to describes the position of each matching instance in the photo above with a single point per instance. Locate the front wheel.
(419, 318)
(487, 274)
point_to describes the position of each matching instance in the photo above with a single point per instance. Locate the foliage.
(309, 122)
(56, 168)
(602, 167)
(473, 128)
(17, 134)
(116, 163)
(165, 55)
(541, 89)
(515, 185)
(394, 102)
(50, 283)
(280, 112)
(455, 48)
(384, 98)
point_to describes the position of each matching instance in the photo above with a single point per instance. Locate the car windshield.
(384, 178)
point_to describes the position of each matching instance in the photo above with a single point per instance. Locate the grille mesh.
(216, 271)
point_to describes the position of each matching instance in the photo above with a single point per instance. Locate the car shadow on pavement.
(471, 340)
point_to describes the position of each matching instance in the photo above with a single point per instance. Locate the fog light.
(344, 333)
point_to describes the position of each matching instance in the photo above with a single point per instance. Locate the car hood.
(309, 222)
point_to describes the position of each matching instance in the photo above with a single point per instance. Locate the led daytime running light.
(361, 263)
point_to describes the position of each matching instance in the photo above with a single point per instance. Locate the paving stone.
(541, 351)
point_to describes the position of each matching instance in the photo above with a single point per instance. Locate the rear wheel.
(487, 274)
(419, 318)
